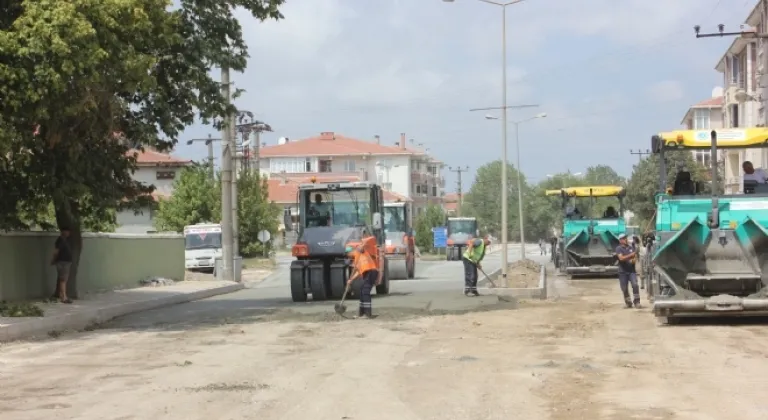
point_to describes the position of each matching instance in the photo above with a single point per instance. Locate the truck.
(202, 246)
(590, 235)
(459, 231)
(332, 216)
(709, 251)
(400, 244)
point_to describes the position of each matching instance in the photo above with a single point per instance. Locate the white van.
(202, 246)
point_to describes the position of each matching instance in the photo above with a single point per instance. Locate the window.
(734, 115)
(337, 208)
(290, 165)
(735, 69)
(325, 165)
(434, 191)
(703, 157)
(349, 166)
(165, 174)
(701, 119)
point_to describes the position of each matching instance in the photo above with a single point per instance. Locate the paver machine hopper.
(400, 244)
(460, 231)
(710, 253)
(331, 217)
(586, 246)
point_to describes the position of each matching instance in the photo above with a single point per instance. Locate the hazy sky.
(609, 74)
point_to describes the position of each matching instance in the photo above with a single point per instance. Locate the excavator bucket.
(699, 269)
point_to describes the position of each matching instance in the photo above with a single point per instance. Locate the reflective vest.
(475, 253)
(368, 259)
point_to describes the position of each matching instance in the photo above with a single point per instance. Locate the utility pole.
(208, 142)
(235, 175)
(640, 154)
(226, 186)
(458, 187)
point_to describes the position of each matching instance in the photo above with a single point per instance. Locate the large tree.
(197, 199)
(484, 199)
(83, 82)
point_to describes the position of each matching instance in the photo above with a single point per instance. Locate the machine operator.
(320, 211)
(752, 174)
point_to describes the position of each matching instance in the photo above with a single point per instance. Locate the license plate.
(597, 269)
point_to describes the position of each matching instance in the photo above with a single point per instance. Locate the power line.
(458, 187)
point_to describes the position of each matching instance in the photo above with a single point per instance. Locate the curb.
(80, 320)
(539, 292)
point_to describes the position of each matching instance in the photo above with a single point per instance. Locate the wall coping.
(109, 235)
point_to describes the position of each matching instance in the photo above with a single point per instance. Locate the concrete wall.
(108, 262)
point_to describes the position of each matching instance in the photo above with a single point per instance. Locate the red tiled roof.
(451, 198)
(151, 157)
(711, 102)
(331, 144)
(283, 191)
(451, 206)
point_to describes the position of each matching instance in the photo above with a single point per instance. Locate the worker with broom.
(367, 259)
(472, 256)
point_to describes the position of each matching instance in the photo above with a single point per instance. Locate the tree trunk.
(68, 215)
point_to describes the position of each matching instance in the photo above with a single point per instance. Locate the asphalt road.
(437, 288)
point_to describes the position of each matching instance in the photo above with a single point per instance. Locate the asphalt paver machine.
(710, 253)
(586, 246)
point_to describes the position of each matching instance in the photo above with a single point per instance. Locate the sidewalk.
(101, 307)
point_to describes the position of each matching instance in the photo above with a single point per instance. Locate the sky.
(608, 74)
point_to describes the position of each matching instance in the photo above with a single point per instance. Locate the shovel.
(488, 278)
(339, 307)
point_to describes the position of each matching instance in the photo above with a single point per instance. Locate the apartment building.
(742, 66)
(154, 168)
(705, 115)
(404, 172)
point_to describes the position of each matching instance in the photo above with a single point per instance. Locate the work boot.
(628, 305)
(638, 305)
(475, 293)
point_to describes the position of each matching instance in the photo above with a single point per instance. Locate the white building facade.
(405, 171)
(160, 170)
(705, 115)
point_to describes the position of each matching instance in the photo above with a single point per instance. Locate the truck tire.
(383, 288)
(318, 289)
(298, 292)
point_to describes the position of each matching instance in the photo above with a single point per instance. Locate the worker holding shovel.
(472, 256)
(367, 259)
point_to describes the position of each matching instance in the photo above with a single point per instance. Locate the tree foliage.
(84, 81)
(644, 183)
(484, 199)
(432, 217)
(197, 199)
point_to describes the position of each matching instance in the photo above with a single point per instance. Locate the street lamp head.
(577, 174)
(491, 117)
(189, 142)
(542, 115)
(447, 1)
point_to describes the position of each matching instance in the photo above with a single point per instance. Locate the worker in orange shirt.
(367, 260)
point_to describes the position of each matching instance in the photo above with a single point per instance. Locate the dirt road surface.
(577, 356)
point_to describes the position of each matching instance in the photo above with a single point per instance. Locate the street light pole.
(520, 214)
(504, 180)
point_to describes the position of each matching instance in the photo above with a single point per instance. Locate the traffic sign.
(264, 236)
(440, 237)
